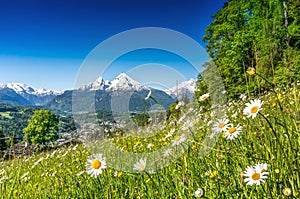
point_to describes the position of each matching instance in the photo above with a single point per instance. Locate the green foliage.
(42, 127)
(3, 144)
(173, 113)
(261, 34)
(141, 119)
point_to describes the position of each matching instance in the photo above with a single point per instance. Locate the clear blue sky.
(43, 42)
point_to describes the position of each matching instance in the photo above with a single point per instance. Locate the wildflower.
(179, 105)
(117, 174)
(178, 140)
(140, 165)
(198, 193)
(188, 124)
(262, 167)
(95, 164)
(232, 132)
(253, 108)
(287, 191)
(220, 125)
(279, 97)
(212, 174)
(243, 97)
(255, 175)
(251, 71)
(149, 146)
(277, 171)
(166, 153)
(204, 97)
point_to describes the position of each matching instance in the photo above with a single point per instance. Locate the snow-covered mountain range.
(121, 82)
(22, 94)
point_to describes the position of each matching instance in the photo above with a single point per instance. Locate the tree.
(261, 34)
(42, 127)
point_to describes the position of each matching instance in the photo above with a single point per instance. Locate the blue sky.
(44, 42)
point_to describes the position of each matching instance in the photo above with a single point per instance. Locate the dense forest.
(13, 119)
(263, 35)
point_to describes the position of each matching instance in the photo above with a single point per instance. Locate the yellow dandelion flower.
(251, 71)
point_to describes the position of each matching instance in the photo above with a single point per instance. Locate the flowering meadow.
(256, 155)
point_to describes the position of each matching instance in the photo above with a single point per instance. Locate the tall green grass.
(272, 137)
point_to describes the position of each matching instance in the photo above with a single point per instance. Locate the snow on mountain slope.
(99, 84)
(33, 96)
(23, 88)
(185, 88)
(124, 82)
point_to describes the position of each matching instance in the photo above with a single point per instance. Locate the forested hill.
(14, 118)
(261, 34)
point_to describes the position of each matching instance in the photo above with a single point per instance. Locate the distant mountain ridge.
(24, 95)
(103, 94)
(122, 94)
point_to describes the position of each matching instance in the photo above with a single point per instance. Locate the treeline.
(13, 119)
(262, 34)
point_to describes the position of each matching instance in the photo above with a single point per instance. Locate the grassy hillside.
(272, 137)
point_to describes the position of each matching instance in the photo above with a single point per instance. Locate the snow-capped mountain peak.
(98, 84)
(19, 88)
(124, 82)
(184, 88)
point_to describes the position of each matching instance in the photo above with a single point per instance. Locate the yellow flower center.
(221, 125)
(96, 164)
(255, 176)
(232, 130)
(177, 138)
(254, 109)
(142, 167)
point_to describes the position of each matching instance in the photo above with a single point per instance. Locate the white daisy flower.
(166, 153)
(180, 104)
(204, 97)
(168, 135)
(178, 140)
(243, 97)
(186, 125)
(232, 132)
(254, 175)
(140, 165)
(261, 167)
(253, 108)
(95, 164)
(220, 125)
(198, 193)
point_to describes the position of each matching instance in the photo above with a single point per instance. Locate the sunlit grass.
(272, 137)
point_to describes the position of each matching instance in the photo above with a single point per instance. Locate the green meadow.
(271, 137)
